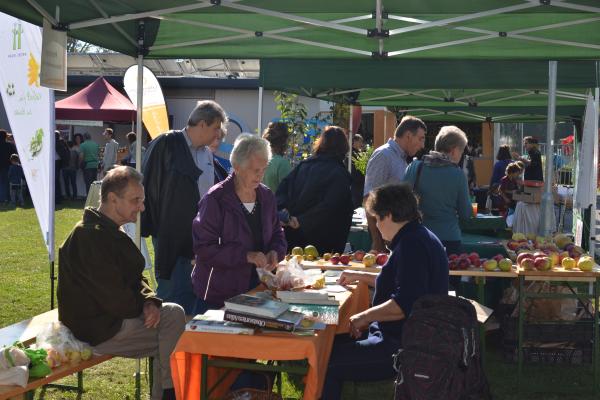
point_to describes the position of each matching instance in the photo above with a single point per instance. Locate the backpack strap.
(418, 177)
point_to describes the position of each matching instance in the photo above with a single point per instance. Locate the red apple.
(345, 259)
(463, 263)
(381, 259)
(528, 264)
(473, 257)
(524, 256)
(476, 263)
(452, 256)
(464, 255)
(359, 255)
(452, 265)
(543, 263)
(498, 257)
(334, 260)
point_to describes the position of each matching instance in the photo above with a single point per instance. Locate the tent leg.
(139, 131)
(547, 208)
(350, 130)
(260, 106)
(52, 279)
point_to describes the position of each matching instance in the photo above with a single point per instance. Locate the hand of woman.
(347, 278)
(257, 258)
(294, 224)
(358, 323)
(272, 260)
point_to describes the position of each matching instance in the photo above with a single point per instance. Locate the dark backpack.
(440, 357)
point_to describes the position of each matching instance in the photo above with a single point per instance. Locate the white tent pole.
(594, 179)
(350, 134)
(51, 197)
(139, 126)
(547, 206)
(260, 106)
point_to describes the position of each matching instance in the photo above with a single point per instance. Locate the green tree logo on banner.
(17, 31)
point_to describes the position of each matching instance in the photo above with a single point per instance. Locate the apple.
(463, 255)
(452, 256)
(368, 260)
(334, 260)
(585, 263)
(381, 259)
(518, 236)
(563, 255)
(358, 255)
(539, 254)
(513, 245)
(568, 263)
(490, 265)
(327, 256)
(463, 263)
(345, 259)
(453, 265)
(554, 257)
(476, 263)
(505, 264)
(498, 257)
(86, 354)
(311, 250)
(297, 251)
(473, 257)
(524, 256)
(543, 263)
(528, 264)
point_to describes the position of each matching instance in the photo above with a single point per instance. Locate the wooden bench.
(26, 332)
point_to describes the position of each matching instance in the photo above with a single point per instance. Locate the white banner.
(28, 108)
(154, 111)
(585, 192)
(53, 73)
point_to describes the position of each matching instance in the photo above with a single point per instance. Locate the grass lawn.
(24, 273)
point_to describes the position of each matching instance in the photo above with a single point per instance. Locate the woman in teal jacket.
(442, 187)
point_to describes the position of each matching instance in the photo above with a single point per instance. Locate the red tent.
(98, 101)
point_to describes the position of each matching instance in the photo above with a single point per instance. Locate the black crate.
(581, 331)
(571, 355)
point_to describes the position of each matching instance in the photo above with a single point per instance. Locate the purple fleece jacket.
(222, 238)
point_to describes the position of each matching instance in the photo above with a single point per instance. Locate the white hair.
(245, 146)
(450, 137)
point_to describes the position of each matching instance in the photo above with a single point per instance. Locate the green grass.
(25, 283)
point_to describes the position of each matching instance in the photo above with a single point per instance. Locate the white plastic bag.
(287, 277)
(61, 345)
(14, 376)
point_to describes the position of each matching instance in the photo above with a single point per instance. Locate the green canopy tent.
(374, 30)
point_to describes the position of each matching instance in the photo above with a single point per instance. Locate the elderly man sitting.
(103, 297)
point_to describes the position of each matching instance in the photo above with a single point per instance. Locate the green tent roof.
(408, 29)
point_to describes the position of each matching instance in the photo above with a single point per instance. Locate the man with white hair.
(178, 171)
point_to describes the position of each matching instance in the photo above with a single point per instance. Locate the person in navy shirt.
(417, 266)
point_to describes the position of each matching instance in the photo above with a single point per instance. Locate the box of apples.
(465, 261)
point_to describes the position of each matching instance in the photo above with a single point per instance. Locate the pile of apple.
(543, 254)
(310, 253)
(465, 261)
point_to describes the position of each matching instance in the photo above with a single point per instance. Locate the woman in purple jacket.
(237, 229)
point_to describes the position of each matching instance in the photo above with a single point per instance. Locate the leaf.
(33, 72)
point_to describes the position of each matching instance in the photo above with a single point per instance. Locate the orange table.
(187, 355)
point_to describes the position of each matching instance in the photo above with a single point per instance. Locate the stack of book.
(212, 321)
(262, 313)
(320, 296)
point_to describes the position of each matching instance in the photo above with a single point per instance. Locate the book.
(327, 314)
(257, 306)
(288, 321)
(212, 322)
(307, 297)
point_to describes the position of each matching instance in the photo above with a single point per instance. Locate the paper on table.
(335, 289)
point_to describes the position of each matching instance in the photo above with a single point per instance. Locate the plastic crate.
(581, 330)
(571, 355)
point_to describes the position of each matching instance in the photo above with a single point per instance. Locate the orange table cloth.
(186, 357)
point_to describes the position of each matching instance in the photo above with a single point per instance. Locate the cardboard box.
(529, 194)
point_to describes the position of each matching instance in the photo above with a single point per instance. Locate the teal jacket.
(443, 198)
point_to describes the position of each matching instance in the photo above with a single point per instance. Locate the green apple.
(505, 264)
